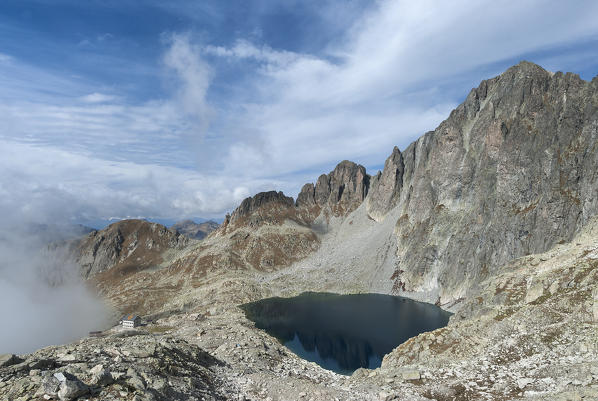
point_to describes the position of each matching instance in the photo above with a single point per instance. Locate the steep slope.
(530, 331)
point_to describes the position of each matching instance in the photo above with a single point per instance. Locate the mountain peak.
(524, 67)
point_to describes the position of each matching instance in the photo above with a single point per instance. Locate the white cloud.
(244, 49)
(45, 184)
(98, 98)
(42, 297)
(396, 73)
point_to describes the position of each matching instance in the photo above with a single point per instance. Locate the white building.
(130, 321)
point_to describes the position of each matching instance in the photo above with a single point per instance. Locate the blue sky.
(178, 109)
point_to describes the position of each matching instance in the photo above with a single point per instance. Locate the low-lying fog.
(43, 300)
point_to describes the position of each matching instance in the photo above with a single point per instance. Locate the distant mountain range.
(191, 229)
(99, 224)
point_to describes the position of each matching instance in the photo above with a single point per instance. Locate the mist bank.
(43, 300)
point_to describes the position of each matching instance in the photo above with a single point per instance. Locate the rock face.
(511, 172)
(194, 230)
(386, 186)
(342, 190)
(264, 207)
(132, 245)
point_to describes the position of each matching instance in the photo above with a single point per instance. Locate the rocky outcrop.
(342, 190)
(511, 172)
(8, 359)
(135, 366)
(386, 186)
(194, 230)
(264, 208)
(131, 244)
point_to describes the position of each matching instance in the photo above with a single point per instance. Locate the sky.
(176, 109)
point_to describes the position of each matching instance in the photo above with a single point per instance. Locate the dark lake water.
(344, 332)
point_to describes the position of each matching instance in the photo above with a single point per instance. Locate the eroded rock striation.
(386, 186)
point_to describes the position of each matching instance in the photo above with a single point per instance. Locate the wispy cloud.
(194, 76)
(243, 49)
(45, 184)
(98, 98)
(393, 77)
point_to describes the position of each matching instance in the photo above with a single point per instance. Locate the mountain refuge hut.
(130, 321)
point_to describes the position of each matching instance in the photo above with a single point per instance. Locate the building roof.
(130, 317)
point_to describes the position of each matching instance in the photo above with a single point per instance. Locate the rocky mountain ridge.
(510, 172)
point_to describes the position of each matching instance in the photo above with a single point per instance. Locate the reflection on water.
(344, 332)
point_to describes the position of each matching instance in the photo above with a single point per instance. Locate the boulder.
(49, 385)
(412, 374)
(134, 380)
(524, 381)
(100, 376)
(535, 291)
(71, 389)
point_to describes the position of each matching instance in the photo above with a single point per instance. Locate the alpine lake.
(343, 333)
